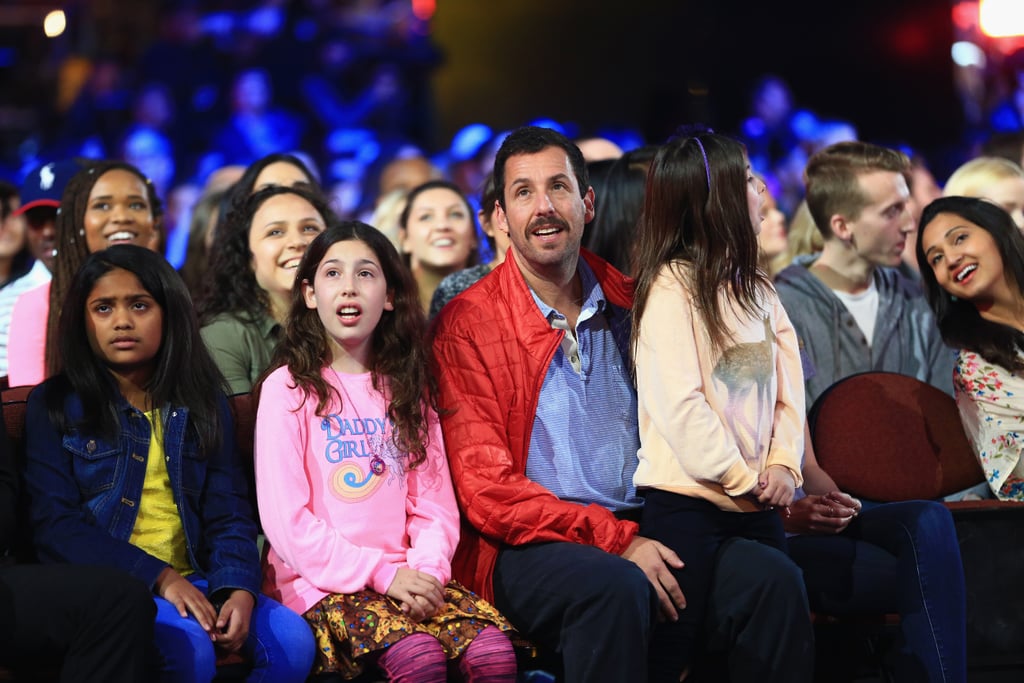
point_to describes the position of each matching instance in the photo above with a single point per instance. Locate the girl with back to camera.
(972, 266)
(352, 480)
(106, 203)
(718, 375)
(132, 463)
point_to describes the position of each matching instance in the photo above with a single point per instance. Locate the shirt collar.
(593, 296)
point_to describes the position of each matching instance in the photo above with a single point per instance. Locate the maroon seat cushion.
(889, 437)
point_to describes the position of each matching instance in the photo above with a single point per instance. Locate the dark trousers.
(757, 626)
(593, 608)
(896, 557)
(695, 529)
(99, 621)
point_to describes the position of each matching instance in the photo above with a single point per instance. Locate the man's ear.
(588, 203)
(841, 228)
(500, 218)
(308, 294)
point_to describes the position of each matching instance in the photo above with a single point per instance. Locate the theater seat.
(889, 437)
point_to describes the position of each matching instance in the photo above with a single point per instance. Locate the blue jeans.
(280, 644)
(896, 557)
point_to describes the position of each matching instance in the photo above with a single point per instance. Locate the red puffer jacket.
(493, 348)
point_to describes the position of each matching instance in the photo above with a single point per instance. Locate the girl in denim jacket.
(132, 463)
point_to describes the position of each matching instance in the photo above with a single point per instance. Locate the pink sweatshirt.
(711, 423)
(335, 526)
(26, 345)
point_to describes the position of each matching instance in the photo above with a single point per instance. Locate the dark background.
(883, 65)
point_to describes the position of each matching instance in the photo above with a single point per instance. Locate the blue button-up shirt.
(585, 436)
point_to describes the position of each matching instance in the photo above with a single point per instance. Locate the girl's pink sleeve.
(309, 544)
(433, 515)
(26, 342)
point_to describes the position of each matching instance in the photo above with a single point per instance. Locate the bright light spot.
(966, 53)
(424, 9)
(54, 23)
(1001, 18)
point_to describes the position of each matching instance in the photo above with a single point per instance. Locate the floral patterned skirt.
(349, 627)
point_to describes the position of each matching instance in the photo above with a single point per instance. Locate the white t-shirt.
(863, 306)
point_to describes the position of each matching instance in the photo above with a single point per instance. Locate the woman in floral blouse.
(974, 278)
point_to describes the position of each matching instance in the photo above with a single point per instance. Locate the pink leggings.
(419, 658)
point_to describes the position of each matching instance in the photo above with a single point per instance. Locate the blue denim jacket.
(85, 493)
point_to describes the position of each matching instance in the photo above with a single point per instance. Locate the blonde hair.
(803, 238)
(977, 175)
(387, 213)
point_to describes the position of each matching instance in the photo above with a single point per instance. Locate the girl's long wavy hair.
(184, 373)
(960, 324)
(399, 351)
(72, 249)
(696, 220)
(229, 285)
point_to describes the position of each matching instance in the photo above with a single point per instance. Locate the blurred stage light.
(424, 9)
(1001, 18)
(54, 23)
(966, 53)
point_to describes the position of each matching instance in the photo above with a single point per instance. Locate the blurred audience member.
(438, 235)
(998, 180)
(618, 203)
(461, 280)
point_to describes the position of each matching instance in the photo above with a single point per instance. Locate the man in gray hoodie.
(852, 310)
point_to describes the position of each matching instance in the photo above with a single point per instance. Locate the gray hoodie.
(832, 346)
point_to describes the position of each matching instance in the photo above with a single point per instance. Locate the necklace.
(377, 464)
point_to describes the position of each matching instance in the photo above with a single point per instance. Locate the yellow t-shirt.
(158, 528)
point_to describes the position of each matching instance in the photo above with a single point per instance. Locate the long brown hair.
(399, 351)
(696, 221)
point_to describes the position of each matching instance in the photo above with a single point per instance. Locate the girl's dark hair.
(403, 220)
(22, 261)
(184, 374)
(399, 352)
(229, 284)
(959, 322)
(72, 247)
(239, 192)
(612, 233)
(695, 213)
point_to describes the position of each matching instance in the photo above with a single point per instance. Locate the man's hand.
(828, 514)
(655, 559)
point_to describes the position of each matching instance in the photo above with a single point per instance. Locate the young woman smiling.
(250, 276)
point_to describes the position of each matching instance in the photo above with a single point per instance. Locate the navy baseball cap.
(45, 185)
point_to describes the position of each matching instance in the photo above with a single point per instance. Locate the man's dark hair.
(531, 140)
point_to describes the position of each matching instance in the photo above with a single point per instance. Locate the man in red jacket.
(540, 427)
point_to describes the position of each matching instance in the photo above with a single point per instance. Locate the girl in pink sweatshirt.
(719, 383)
(354, 491)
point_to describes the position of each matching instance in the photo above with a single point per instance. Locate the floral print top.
(991, 403)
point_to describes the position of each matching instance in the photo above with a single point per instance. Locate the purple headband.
(707, 167)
